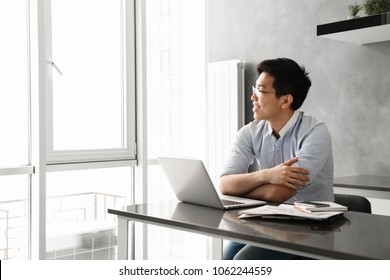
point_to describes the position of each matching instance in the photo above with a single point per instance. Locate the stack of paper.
(286, 211)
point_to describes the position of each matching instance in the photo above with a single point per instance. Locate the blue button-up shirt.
(303, 136)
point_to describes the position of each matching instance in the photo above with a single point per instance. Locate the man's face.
(266, 106)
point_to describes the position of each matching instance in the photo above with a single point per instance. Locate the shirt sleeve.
(242, 155)
(315, 151)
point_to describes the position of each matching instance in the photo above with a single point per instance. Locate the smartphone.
(311, 204)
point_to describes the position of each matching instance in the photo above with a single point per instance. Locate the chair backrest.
(354, 202)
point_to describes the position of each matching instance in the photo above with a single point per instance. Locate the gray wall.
(351, 83)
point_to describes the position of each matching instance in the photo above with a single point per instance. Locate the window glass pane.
(160, 185)
(176, 108)
(87, 98)
(14, 217)
(167, 244)
(176, 78)
(13, 85)
(78, 225)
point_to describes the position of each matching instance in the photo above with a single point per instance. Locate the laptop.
(191, 183)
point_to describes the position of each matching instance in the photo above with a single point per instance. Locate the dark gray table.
(350, 236)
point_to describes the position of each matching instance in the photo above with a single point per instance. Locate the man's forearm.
(271, 193)
(275, 184)
(252, 185)
(240, 184)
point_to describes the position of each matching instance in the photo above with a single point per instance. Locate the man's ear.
(286, 101)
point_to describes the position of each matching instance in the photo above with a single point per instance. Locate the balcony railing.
(78, 227)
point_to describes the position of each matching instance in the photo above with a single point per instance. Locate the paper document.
(286, 210)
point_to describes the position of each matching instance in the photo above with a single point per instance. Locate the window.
(91, 124)
(14, 205)
(78, 225)
(14, 84)
(69, 84)
(14, 127)
(175, 50)
(92, 96)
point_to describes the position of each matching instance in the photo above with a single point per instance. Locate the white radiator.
(225, 112)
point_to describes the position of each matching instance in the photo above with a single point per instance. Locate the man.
(293, 150)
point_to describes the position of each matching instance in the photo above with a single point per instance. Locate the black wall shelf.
(363, 30)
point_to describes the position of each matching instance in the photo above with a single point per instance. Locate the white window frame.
(42, 157)
(128, 151)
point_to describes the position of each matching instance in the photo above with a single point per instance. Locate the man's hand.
(289, 176)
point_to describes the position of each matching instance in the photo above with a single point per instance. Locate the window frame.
(43, 160)
(128, 151)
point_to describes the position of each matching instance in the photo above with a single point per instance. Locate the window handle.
(56, 67)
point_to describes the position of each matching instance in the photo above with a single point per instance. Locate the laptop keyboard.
(230, 202)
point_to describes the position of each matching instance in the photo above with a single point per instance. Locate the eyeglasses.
(258, 92)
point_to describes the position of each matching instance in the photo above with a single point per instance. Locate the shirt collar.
(289, 124)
